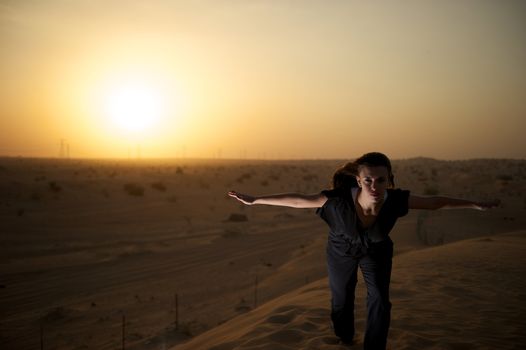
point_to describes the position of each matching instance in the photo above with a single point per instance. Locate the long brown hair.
(345, 176)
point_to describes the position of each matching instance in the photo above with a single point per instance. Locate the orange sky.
(263, 79)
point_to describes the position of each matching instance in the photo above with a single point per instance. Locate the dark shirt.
(347, 235)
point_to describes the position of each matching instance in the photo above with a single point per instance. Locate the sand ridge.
(463, 295)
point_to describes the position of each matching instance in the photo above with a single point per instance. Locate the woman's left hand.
(244, 198)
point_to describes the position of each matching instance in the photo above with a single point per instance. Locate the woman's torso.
(346, 228)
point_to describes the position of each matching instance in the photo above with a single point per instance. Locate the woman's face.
(374, 181)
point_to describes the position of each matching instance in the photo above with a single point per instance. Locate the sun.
(134, 106)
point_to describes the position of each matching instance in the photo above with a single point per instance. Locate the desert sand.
(464, 295)
(94, 253)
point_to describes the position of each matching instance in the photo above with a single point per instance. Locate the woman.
(361, 209)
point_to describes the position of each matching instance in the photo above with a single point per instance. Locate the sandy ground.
(81, 249)
(464, 295)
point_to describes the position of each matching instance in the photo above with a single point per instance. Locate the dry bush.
(243, 306)
(159, 186)
(188, 220)
(36, 196)
(284, 216)
(504, 177)
(243, 177)
(58, 313)
(237, 217)
(274, 177)
(229, 233)
(54, 187)
(431, 191)
(134, 189)
(310, 177)
(204, 185)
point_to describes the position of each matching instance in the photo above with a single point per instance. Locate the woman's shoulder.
(399, 199)
(338, 200)
(398, 196)
(398, 192)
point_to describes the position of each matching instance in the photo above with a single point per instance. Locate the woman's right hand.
(487, 205)
(243, 198)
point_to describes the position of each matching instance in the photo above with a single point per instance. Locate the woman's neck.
(369, 205)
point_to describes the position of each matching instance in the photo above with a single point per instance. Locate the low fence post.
(41, 335)
(176, 311)
(123, 332)
(256, 293)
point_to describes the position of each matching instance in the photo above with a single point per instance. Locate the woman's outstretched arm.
(440, 202)
(294, 200)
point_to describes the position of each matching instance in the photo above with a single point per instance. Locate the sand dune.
(464, 295)
(86, 242)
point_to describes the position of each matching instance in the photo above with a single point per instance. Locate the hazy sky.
(262, 79)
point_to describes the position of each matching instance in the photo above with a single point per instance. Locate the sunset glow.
(134, 106)
(263, 79)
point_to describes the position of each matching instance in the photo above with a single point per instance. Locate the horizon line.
(239, 159)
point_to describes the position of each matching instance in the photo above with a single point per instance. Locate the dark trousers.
(376, 266)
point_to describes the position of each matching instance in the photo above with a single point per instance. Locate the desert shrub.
(504, 177)
(284, 216)
(231, 233)
(237, 217)
(204, 185)
(179, 170)
(188, 220)
(265, 263)
(310, 177)
(242, 306)
(91, 171)
(159, 186)
(189, 328)
(134, 189)
(243, 177)
(274, 177)
(36, 196)
(431, 191)
(57, 314)
(54, 187)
